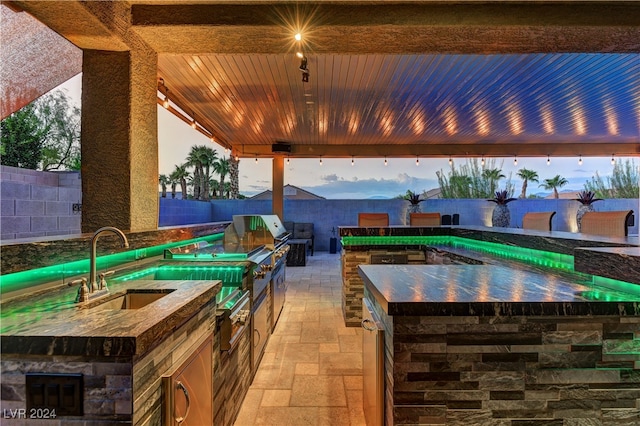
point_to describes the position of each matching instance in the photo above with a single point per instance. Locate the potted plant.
(501, 217)
(586, 199)
(414, 204)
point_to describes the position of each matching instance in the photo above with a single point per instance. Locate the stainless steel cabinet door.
(372, 366)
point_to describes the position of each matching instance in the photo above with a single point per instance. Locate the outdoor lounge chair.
(424, 219)
(373, 219)
(540, 221)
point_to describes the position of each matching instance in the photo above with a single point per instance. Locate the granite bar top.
(619, 263)
(486, 290)
(63, 327)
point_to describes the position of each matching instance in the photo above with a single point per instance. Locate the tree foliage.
(43, 135)
(472, 180)
(623, 183)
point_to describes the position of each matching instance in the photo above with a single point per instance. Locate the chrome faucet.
(93, 283)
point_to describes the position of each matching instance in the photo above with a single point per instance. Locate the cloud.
(337, 188)
(330, 178)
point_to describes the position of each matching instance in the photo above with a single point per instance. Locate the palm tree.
(554, 183)
(213, 184)
(221, 167)
(492, 177)
(164, 180)
(173, 181)
(227, 189)
(209, 157)
(233, 177)
(196, 159)
(180, 174)
(526, 175)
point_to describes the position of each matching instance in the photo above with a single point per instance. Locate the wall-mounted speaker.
(280, 147)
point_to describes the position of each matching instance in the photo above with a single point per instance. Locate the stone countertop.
(482, 290)
(67, 328)
(618, 263)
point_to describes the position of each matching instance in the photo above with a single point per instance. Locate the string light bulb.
(515, 160)
(613, 160)
(321, 160)
(385, 160)
(482, 161)
(256, 158)
(165, 103)
(580, 161)
(450, 161)
(193, 124)
(417, 160)
(548, 160)
(352, 161)
(288, 160)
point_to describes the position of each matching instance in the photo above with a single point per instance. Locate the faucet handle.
(83, 291)
(103, 281)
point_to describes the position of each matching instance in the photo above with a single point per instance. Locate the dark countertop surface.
(487, 290)
(62, 327)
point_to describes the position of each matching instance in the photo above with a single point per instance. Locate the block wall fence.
(38, 204)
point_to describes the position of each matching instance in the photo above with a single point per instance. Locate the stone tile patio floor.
(311, 372)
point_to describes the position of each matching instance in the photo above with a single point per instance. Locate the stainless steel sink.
(130, 300)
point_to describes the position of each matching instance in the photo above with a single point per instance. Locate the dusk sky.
(368, 177)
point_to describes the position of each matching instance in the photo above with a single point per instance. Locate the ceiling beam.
(392, 28)
(445, 150)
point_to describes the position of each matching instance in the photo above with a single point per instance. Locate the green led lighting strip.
(535, 257)
(227, 274)
(64, 271)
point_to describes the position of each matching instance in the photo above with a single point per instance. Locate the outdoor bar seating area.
(245, 299)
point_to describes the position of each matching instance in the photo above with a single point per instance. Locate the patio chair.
(373, 219)
(607, 224)
(540, 221)
(446, 219)
(424, 219)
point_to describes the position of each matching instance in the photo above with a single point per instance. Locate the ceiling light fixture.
(298, 36)
(548, 160)
(580, 161)
(515, 160)
(613, 160)
(385, 161)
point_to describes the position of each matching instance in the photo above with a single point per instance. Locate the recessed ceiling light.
(298, 37)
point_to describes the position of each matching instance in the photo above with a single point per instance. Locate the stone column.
(119, 140)
(277, 203)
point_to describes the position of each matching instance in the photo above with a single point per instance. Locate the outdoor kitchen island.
(485, 344)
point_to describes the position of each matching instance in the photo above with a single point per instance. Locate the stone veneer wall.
(115, 389)
(38, 204)
(522, 370)
(352, 284)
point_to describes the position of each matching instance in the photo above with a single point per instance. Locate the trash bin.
(333, 244)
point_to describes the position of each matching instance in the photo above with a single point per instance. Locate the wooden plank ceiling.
(404, 104)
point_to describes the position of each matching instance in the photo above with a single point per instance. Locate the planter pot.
(501, 217)
(581, 211)
(413, 208)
